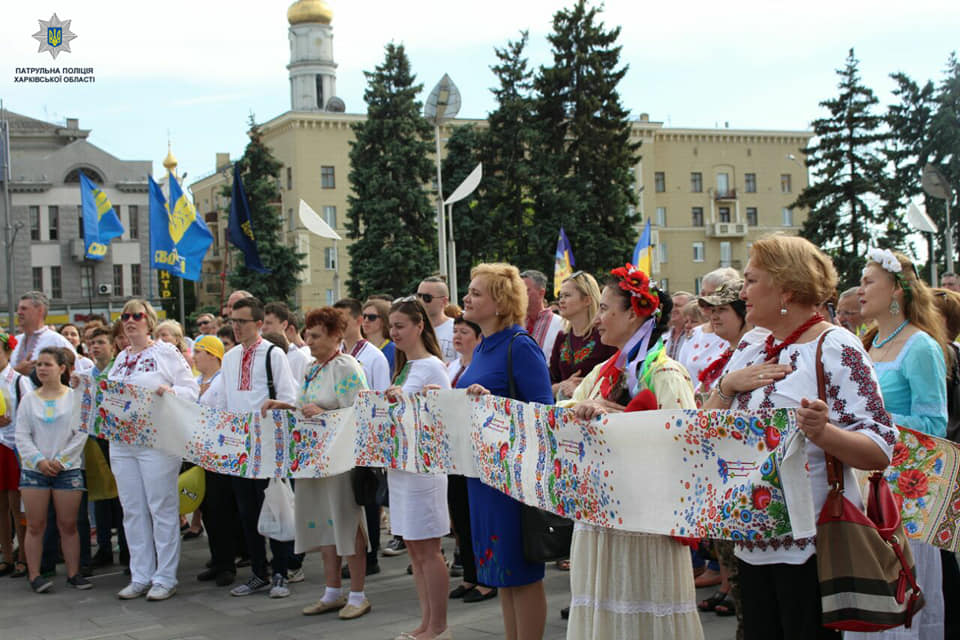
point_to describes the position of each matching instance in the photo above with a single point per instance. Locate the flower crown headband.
(643, 294)
(889, 263)
(9, 340)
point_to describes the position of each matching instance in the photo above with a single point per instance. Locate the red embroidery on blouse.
(246, 366)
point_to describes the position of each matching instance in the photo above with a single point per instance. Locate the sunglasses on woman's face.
(136, 317)
(371, 317)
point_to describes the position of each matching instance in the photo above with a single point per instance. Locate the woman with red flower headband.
(616, 591)
(9, 467)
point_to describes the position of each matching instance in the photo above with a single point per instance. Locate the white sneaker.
(160, 592)
(133, 590)
(295, 575)
(278, 588)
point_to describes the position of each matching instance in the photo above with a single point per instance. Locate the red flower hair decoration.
(9, 340)
(644, 301)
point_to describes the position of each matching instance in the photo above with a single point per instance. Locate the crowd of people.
(748, 341)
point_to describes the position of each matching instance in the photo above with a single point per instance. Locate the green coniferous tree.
(390, 216)
(945, 139)
(261, 174)
(846, 215)
(583, 154)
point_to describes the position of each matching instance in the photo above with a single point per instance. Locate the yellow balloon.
(191, 487)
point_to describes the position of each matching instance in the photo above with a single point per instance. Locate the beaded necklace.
(879, 343)
(773, 352)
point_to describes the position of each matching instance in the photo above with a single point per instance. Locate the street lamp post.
(935, 185)
(442, 104)
(465, 189)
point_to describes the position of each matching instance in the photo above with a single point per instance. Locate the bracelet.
(719, 390)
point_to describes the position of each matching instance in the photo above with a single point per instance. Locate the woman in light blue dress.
(909, 350)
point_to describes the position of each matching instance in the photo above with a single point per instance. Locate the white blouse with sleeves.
(158, 364)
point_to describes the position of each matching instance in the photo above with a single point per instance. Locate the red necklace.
(709, 375)
(773, 352)
(609, 376)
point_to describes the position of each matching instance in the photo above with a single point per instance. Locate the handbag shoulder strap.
(834, 466)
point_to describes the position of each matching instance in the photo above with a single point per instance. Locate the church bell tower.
(313, 73)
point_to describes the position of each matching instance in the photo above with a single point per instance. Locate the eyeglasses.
(242, 320)
(412, 298)
(136, 317)
(426, 297)
(371, 317)
(203, 323)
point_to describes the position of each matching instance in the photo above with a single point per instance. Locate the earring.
(894, 308)
(783, 310)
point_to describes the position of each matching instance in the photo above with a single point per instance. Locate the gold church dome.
(170, 161)
(309, 11)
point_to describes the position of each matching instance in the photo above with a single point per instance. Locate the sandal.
(710, 604)
(5, 568)
(726, 607)
(20, 570)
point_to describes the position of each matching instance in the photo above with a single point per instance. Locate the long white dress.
(325, 509)
(627, 585)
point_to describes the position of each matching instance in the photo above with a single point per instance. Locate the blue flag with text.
(240, 226)
(100, 222)
(179, 238)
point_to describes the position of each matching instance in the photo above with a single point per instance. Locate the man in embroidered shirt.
(31, 313)
(434, 296)
(276, 319)
(542, 324)
(244, 389)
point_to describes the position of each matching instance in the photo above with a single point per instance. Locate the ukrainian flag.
(179, 238)
(100, 222)
(643, 252)
(563, 262)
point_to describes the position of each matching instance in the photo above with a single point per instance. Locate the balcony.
(727, 230)
(736, 264)
(726, 194)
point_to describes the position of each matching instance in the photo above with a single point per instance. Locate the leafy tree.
(260, 172)
(389, 216)
(583, 155)
(845, 217)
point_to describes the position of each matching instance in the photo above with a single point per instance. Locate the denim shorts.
(69, 480)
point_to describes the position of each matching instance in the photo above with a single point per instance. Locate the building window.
(80, 219)
(785, 186)
(665, 284)
(118, 279)
(133, 221)
(662, 252)
(289, 178)
(696, 182)
(330, 216)
(726, 254)
(327, 180)
(330, 258)
(38, 278)
(724, 213)
(35, 224)
(216, 239)
(697, 214)
(787, 213)
(723, 183)
(135, 289)
(330, 298)
(697, 285)
(752, 216)
(659, 182)
(86, 282)
(291, 221)
(56, 282)
(750, 185)
(53, 222)
(661, 218)
(698, 252)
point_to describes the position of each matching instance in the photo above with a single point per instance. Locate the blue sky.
(197, 69)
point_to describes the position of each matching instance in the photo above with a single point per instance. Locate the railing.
(728, 194)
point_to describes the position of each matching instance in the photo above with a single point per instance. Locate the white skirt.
(418, 505)
(630, 585)
(928, 623)
(327, 514)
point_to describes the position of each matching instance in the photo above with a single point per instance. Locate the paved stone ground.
(203, 612)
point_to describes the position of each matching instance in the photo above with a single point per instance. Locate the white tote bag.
(276, 515)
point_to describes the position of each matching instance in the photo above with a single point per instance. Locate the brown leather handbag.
(866, 570)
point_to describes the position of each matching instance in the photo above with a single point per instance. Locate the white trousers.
(147, 484)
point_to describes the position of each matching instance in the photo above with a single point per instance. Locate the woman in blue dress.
(909, 349)
(496, 301)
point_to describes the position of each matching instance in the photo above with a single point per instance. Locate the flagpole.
(8, 233)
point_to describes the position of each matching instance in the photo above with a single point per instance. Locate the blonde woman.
(578, 348)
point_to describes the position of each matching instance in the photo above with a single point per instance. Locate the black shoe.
(79, 582)
(461, 591)
(373, 568)
(41, 584)
(476, 596)
(86, 570)
(226, 578)
(207, 575)
(98, 561)
(190, 535)
(565, 613)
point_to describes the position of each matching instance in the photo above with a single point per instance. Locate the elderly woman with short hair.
(785, 281)
(496, 300)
